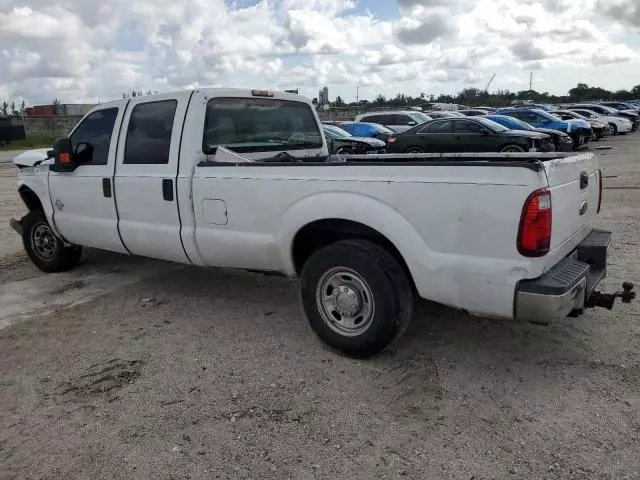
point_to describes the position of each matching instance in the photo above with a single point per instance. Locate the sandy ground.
(128, 368)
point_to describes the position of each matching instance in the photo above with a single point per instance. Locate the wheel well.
(30, 199)
(323, 232)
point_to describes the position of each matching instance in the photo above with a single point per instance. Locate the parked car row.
(542, 128)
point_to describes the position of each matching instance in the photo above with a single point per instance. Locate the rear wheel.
(44, 248)
(356, 297)
(512, 149)
(414, 150)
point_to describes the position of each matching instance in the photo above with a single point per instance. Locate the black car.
(342, 142)
(466, 135)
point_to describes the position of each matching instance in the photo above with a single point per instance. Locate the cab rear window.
(259, 124)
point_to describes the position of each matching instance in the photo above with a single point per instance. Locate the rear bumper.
(568, 287)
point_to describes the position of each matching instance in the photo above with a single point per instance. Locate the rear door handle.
(167, 189)
(106, 187)
(457, 137)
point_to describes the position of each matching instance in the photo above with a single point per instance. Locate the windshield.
(335, 132)
(587, 113)
(420, 117)
(519, 124)
(259, 124)
(491, 125)
(381, 128)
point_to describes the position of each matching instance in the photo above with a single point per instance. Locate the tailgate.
(574, 184)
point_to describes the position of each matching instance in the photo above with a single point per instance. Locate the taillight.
(391, 139)
(534, 235)
(599, 190)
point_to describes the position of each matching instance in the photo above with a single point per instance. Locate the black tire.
(344, 151)
(390, 303)
(44, 248)
(512, 148)
(614, 128)
(414, 149)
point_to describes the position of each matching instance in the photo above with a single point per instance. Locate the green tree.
(380, 101)
(5, 109)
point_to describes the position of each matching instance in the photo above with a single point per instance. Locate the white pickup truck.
(497, 235)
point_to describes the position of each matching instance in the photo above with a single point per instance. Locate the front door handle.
(167, 189)
(106, 187)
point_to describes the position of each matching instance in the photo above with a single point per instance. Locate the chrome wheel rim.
(512, 150)
(414, 150)
(43, 241)
(345, 301)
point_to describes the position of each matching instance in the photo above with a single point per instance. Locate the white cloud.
(81, 50)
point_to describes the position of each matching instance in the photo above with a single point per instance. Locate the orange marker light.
(65, 158)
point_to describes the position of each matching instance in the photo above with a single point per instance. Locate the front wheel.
(614, 128)
(44, 248)
(512, 149)
(356, 297)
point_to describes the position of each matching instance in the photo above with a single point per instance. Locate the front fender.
(34, 180)
(355, 207)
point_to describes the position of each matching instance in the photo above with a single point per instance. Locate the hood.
(28, 158)
(372, 142)
(553, 133)
(630, 113)
(523, 133)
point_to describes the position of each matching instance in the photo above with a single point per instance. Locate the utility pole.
(358, 94)
(531, 86)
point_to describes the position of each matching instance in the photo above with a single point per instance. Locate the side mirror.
(412, 123)
(63, 156)
(485, 132)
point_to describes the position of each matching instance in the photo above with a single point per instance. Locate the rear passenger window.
(371, 119)
(402, 120)
(149, 133)
(443, 126)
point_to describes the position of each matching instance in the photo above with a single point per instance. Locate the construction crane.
(490, 82)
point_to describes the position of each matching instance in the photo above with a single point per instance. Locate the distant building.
(323, 96)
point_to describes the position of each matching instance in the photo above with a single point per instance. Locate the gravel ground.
(130, 368)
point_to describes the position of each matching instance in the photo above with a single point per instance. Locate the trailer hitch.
(606, 300)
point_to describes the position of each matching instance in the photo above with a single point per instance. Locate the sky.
(88, 50)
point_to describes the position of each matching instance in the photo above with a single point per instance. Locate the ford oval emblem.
(584, 207)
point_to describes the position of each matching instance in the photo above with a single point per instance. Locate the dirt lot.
(129, 368)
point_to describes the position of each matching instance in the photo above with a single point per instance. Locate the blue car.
(561, 141)
(365, 129)
(579, 130)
